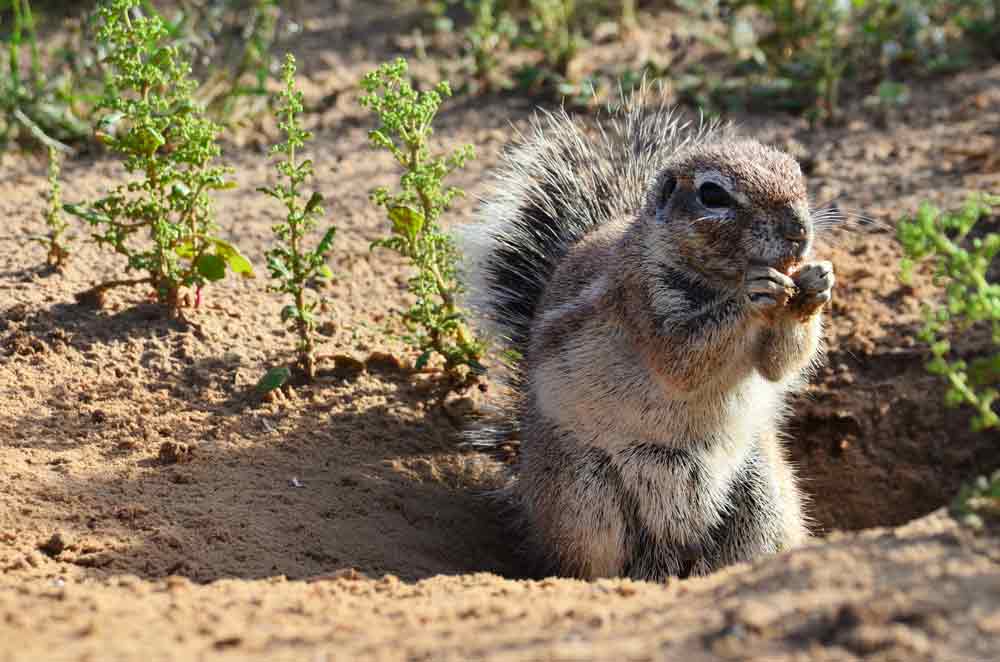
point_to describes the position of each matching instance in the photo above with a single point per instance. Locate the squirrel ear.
(666, 190)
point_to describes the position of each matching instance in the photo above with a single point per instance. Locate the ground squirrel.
(652, 283)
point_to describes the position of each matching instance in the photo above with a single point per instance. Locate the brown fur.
(658, 357)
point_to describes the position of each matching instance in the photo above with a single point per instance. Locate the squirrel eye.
(713, 195)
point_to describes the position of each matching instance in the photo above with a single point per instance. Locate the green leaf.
(211, 267)
(89, 215)
(267, 190)
(422, 360)
(273, 379)
(326, 242)
(315, 200)
(185, 250)
(106, 138)
(220, 184)
(278, 267)
(109, 123)
(324, 272)
(147, 140)
(238, 264)
(406, 220)
(292, 311)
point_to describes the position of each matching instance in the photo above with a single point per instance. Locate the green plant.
(273, 379)
(55, 240)
(980, 19)
(554, 31)
(558, 29)
(888, 97)
(162, 221)
(795, 54)
(291, 264)
(41, 105)
(978, 500)
(960, 262)
(260, 33)
(229, 43)
(253, 58)
(491, 31)
(405, 119)
(806, 46)
(436, 14)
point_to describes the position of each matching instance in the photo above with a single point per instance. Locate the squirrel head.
(720, 206)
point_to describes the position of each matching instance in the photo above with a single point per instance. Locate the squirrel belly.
(653, 283)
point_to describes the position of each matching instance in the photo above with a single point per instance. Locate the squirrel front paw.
(814, 288)
(768, 290)
(771, 293)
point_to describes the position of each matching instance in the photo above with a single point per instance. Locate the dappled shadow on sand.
(262, 491)
(157, 462)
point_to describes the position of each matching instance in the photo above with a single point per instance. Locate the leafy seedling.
(54, 241)
(39, 107)
(555, 31)
(405, 117)
(240, 89)
(291, 263)
(978, 502)
(491, 32)
(161, 220)
(273, 379)
(960, 265)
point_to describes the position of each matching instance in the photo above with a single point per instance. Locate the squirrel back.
(555, 185)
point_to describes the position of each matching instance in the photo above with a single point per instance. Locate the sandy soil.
(152, 504)
(925, 592)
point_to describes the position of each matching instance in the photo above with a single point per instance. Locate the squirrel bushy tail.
(554, 185)
(651, 343)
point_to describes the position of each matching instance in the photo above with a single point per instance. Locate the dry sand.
(153, 507)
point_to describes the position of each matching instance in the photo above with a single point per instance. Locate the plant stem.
(96, 293)
(295, 226)
(36, 65)
(189, 218)
(628, 14)
(15, 49)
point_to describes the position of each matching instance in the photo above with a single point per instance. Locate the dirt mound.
(929, 591)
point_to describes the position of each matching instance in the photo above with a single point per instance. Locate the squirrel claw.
(803, 294)
(768, 290)
(815, 283)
